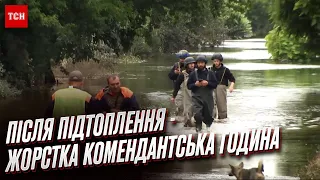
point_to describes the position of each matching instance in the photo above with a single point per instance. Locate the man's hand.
(198, 84)
(204, 83)
(231, 87)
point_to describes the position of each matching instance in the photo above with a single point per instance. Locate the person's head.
(191, 66)
(114, 83)
(189, 63)
(217, 60)
(182, 55)
(201, 62)
(76, 79)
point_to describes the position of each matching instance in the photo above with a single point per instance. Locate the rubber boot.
(199, 119)
(208, 127)
(198, 128)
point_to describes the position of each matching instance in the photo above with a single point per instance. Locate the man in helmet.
(182, 79)
(223, 75)
(177, 69)
(202, 83)
(179, 66)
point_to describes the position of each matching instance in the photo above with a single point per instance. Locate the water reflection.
(275, 164)
(265, 66)
(245, 44)
(242, 55)
(265, 94)
(296, 149)
(269, 107)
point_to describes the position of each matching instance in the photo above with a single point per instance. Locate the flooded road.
(266, 94)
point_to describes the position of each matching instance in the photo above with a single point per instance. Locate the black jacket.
(204, 75)
(178, 83)
(228, 76)
(173, 76)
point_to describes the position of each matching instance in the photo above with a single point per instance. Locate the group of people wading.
(201, 88)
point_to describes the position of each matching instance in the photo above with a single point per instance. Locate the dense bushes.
(283, 46)
(296, 32)
(6, 90)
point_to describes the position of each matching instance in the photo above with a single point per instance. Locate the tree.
(235, 19)
(299, 19)
(258, 14)
(61, 29)
(73, 29)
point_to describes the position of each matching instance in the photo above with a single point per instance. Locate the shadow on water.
(31, 104)
(266, 94)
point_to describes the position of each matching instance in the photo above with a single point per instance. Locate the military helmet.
(201, 58)
(189, 60)
(217, 56)
(182, 54)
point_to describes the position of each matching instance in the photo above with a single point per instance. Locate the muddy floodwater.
(265, 95)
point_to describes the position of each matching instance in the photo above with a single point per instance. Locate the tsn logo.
(16, 16)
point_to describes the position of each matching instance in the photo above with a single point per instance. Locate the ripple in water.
(260, 107)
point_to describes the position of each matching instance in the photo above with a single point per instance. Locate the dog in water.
(241, 174)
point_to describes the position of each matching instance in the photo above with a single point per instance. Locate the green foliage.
(140, 46)
(283, 46)
(298, 17)
(6, 90)
(2, 71)
(129, 59)
(175, 36)
(259, 17)
(238, 25)
(77, 30)
(298, 20)
(235, 19)
(170, 26)
(61, 29)
(183, 25)
(240, 6)
(312, 170)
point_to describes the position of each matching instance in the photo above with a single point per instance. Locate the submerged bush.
(6, 90)
(140, 47)
(312, 170)
(130, 59)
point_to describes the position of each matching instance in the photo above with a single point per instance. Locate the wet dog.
(241, 174)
